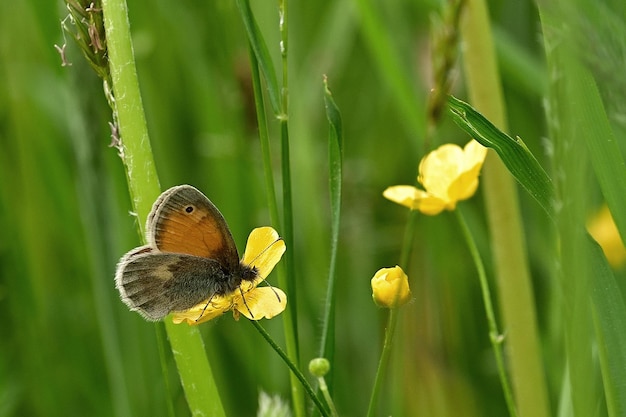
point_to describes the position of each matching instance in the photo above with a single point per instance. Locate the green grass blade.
(604, 151)
(335, 159)
(135, 150)
(514, 153)
(609, 318)
(255, 37)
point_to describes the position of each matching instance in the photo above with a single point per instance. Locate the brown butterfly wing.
(183, 220)
(155, 284)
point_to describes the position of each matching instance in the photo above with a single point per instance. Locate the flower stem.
(292, 366)
(329, 400)
(407, 244)
(383, 362)
(494, 334)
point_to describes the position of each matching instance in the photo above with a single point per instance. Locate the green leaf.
(513, 152)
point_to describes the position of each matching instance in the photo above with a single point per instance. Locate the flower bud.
(319, 367)
(390, 287)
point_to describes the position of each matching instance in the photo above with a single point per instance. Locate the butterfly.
(191, 263)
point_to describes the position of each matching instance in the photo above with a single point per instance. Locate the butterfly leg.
(205, 306)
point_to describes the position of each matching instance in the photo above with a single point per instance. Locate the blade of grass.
(604, 151)
(335, 158)
(135, 151)
(609, 315)
(514, 153)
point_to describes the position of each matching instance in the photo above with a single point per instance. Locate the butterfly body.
(190, 257)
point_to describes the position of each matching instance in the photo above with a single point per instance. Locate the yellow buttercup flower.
(263, 251)
(603, 229)
(448, 174)
(390, 287)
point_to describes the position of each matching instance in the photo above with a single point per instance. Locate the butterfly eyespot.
(189, 209)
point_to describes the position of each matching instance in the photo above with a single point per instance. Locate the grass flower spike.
(263, 251)
(448, 174)
(390, 287)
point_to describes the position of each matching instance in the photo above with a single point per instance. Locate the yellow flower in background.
(448, 174)
(263, 251)
(603, 229)
(390, 287)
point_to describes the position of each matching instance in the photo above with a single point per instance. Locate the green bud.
(319, 367)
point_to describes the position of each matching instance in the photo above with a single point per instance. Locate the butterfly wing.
(155, 283)
(183, 220)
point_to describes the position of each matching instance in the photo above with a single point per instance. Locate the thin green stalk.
(290, 328)
(494, 334)
(409, 237)
(135, 151)
(383, 362)
(321, 381)
(505, 225)
(293, 367)
(290, 317)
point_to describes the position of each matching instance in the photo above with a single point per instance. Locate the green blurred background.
(69, 347)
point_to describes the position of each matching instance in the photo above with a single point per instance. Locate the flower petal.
(465, 185)
(475, 153)
(201, 312)
(263, 251)
(439, 168)
(265, 302)
(405, 195)
(431, 205)
(415, 199)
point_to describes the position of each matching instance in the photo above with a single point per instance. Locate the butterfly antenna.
(206, 306)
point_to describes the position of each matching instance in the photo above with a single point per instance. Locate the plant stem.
(384, 361)
(329, 400)
(494, 334)
(292, 366)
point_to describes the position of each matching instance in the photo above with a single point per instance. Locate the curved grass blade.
(513, 152)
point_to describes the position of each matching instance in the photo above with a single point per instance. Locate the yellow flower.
(390, 287)
(448, 174)
(603, 229)
(263, 251)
